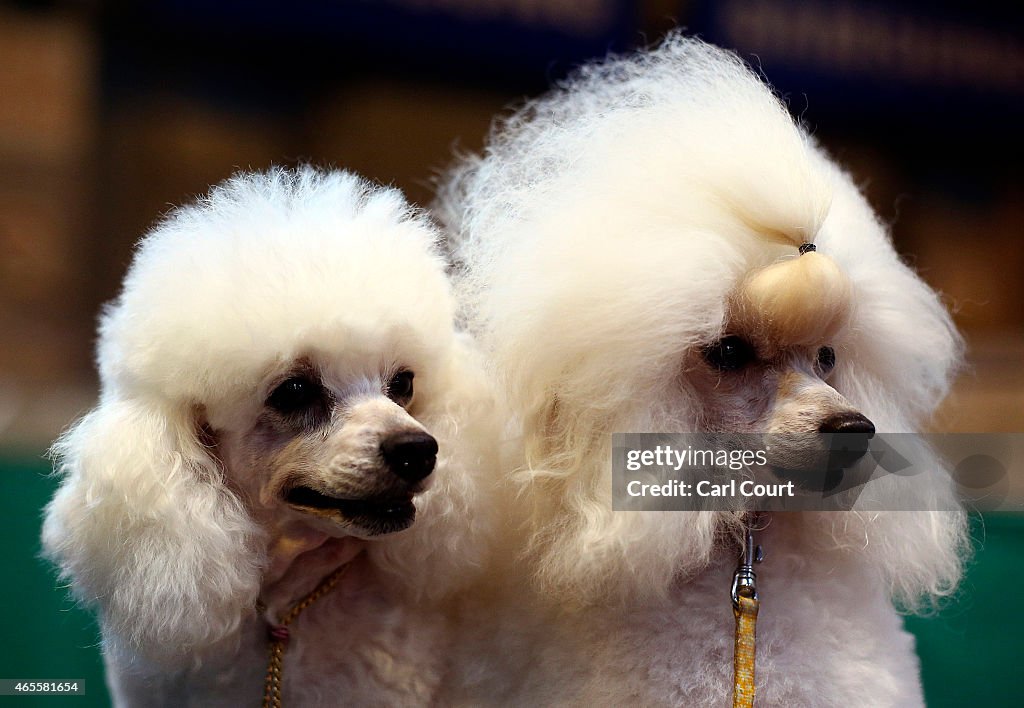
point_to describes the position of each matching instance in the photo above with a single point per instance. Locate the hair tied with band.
(807, 248)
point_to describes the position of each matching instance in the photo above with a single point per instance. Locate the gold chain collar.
(279, 634)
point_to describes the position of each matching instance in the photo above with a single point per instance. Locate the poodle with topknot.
(656, 246)
(277, 490)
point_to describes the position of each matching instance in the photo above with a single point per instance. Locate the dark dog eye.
(729, 353)
(400, 387)
(295, 394)
(826, 360)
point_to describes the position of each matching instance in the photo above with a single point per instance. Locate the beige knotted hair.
(800, 301)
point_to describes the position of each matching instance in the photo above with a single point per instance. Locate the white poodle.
(629, 248)
(283, 389)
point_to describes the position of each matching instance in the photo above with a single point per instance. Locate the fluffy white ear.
(144, 527)
(585, 553)
(921, 545)
(448, 545)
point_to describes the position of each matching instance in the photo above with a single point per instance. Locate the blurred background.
(111, 112)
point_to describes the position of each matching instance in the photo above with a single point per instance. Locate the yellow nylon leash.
(743, 660)
(279, 635)
(744, 608)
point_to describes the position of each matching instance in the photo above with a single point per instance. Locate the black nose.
(411, 456)
(852, 442)
(848, 423)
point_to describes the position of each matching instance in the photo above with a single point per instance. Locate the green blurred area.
(43, 635)
(969, 651)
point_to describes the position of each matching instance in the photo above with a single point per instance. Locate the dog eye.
(295, 394)
(826, 360)
(729, 353)
(400, 387)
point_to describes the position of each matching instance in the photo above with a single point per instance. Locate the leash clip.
(744, 580)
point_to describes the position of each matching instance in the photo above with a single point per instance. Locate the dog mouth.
(374, 515)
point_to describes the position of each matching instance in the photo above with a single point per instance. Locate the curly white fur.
(158, 530)
(611, 230)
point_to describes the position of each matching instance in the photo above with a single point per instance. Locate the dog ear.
(144, 527)
(899, 364)
(586, 553)
(920, 547)
(448, 545)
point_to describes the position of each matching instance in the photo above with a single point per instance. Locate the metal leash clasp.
(744, 580)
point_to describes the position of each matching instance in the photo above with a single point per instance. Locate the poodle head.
(342, 454)
(631, 259)
(280, 369)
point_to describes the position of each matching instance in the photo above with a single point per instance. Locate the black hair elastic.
(807, 248)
